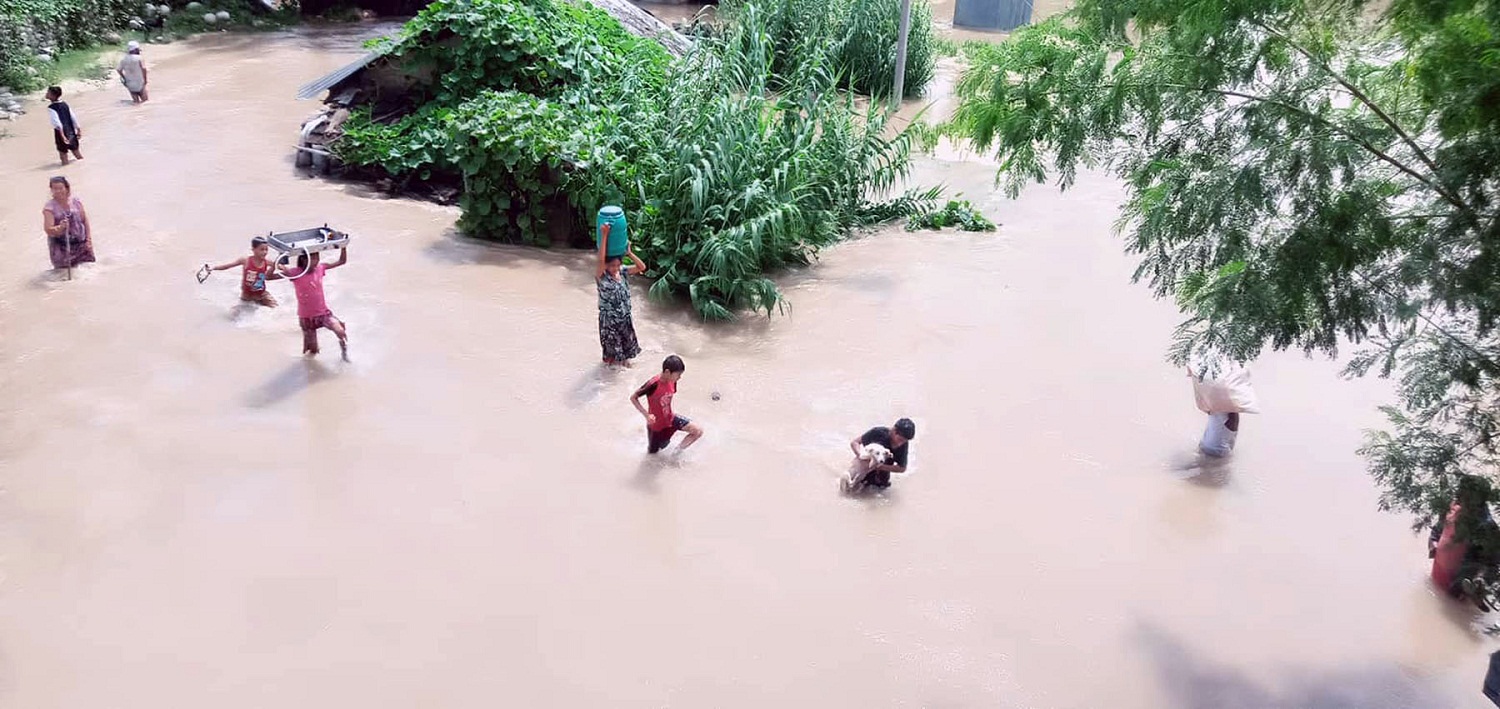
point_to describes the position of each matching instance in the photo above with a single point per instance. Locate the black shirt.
(882, 435)
(65, 117)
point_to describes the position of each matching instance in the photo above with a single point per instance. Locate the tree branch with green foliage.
(1300, 174)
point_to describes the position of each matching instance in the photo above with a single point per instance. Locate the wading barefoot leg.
(694, 432)
(338, 329)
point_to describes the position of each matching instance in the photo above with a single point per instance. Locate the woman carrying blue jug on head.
(617, 337)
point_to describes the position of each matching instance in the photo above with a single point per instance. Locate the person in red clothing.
(1465, 543)
(661, 423)
(1448, 552)
(312, 305)
(256, 271)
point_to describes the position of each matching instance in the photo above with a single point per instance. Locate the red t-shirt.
(659, 399)
(253, 278)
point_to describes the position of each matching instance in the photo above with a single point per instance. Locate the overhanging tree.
(1300, 174)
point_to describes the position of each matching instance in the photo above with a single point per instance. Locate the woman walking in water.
(132, 71)
(69, 238)
(616, 329)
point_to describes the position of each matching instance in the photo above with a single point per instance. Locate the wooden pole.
(905, 29)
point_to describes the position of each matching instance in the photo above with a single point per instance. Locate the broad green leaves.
(544, 110)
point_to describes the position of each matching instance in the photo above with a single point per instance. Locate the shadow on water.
(360, 189)
(1203, 470)
(1462, 613)
(45, 279)
(647, 476)
(241, 311)
(590, 384)
(648, 473)
(294, 378)
(1191, 681)
(454, 248)
(882, 283)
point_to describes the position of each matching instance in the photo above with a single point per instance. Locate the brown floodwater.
(195, 516)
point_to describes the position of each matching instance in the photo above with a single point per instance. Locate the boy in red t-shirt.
(661, 423)
(256, 270)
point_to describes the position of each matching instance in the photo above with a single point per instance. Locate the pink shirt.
(310, 300)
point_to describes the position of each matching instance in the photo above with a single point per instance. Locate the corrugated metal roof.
(313, 88)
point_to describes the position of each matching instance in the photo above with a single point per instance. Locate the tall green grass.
(731, 162)
(860, 36)
(742, 180)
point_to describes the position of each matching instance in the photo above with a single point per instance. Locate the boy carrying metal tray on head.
(304, 249)
(312, 306)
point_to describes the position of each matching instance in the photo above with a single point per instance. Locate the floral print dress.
(76, 246)
(616, 329)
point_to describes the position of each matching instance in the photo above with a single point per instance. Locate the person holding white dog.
(895, 439)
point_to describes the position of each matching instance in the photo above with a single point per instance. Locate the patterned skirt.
(67, 255)
(616, 329)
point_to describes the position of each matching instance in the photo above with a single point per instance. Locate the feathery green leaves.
(1301, 174)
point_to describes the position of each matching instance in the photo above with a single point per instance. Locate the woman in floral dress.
(616, 329)
(69, 238)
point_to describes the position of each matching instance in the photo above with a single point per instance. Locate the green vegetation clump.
(63, 31)
(727, 168)
(29, 28)
(959, 214)
(858, 36)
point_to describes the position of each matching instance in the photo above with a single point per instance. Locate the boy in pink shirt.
(312, 307)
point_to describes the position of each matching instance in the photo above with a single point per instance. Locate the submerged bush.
(546, 111)
(959, 214)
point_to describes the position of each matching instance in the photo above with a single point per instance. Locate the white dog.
(870, 456)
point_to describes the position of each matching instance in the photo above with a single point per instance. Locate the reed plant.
(860, 36)
(742, 181)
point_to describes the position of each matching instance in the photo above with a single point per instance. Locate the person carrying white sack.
(1223, 398)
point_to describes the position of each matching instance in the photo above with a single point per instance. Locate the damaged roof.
(313, 88)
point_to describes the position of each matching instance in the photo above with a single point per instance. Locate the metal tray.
(308, 240)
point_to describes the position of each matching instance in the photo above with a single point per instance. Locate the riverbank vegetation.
(731, 162)
(43, 41)
(1301, 175)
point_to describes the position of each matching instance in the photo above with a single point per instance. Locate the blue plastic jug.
(618, 233)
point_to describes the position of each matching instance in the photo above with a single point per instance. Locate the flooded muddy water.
(195, 516)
